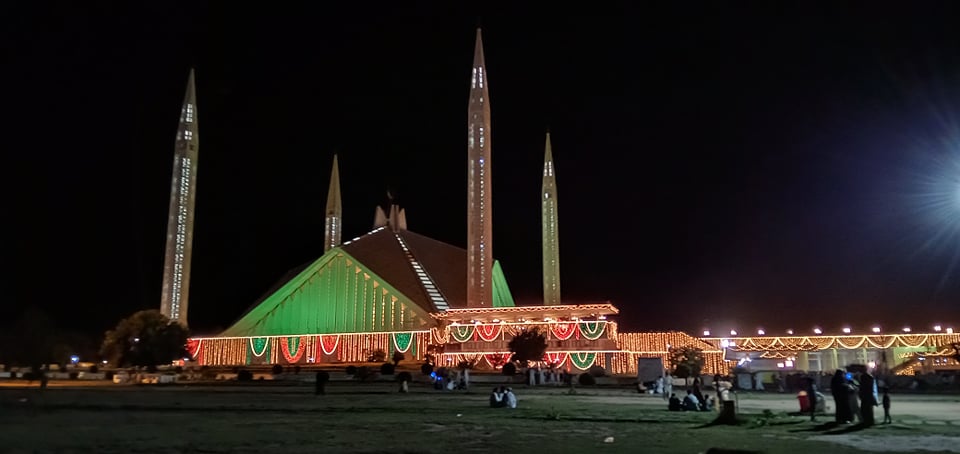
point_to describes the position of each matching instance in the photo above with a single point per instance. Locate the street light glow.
(875, 329)
(906, 329)
(817, 331)
(937, 328)
(761, 332)
(846, 330)
(706, 332)
(733, 332)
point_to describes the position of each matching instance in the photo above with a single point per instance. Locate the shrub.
(351, 370)
(74, 375)
(597, 371)
(207, 373)
(377, 356)
(178, 370)
(387, 369)
(276, 369)
(404, 376)
(244, 375)
(397, 357)
(509, 369)
(152, 368)
(296, 369)
(108, 375)
(363, 373)
(94, 369)
(323, 376)
(587, 379)
(426, 368)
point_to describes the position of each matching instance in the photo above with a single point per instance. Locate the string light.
(563, 331)
(298, 347)
(325, 346)
(489, 332)
(402, 341)
(592, 332)
(264, 343)
(582, 360)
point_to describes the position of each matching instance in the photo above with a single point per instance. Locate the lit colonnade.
(902, 353)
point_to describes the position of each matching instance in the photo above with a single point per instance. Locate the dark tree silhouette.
(529, 345)
(146, 338)
(686, 361)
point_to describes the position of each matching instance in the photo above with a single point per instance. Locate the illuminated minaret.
(479, 196)
(551, 234)
(334, 222)
(183, 194)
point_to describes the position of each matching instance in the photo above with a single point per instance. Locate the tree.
(686, 361)
(146, 338)
(529, 345)
(397, 357)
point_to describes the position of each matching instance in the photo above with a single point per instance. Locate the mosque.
(395, 290)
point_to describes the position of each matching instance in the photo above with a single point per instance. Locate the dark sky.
(722, 164)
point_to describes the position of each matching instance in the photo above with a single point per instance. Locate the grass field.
(372, 417)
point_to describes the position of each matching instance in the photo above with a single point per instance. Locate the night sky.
(723, 165)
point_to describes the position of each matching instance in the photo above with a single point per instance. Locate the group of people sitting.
(691, 402)
(503, 397)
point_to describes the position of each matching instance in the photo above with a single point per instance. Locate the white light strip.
(425, 280)
(361, 236)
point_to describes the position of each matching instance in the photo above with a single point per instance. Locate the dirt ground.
(373, 417)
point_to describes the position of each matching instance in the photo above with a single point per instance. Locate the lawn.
(374, 418)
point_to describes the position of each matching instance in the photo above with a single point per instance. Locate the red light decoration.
(328, 347)
(489, 332)
(193, 348)
(555, 358)
(563, 331)
(497, 360)
(297, 345)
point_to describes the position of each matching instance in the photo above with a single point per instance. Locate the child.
(886, 406)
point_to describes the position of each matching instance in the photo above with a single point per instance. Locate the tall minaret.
(183, 194)
(551, 234)
(479, 194)
(334, 223)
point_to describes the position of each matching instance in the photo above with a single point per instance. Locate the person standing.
(868, 398)
(667, 386)
(853, 405)
(886, 406)
(812, 397)
(838, 388)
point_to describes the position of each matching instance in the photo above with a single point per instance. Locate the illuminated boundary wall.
(308, 349)
(620, 359)
(569, 347)
(827, 352)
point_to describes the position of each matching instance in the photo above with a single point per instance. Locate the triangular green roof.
(382, 281)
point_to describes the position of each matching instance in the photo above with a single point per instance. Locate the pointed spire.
(478, 51)
(551, 232)
(479, 186)
(379, 218)
(178, 253)
(334, 222)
